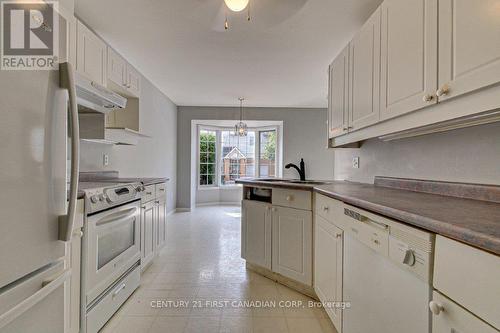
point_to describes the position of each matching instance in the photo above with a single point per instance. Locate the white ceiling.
(178, 46)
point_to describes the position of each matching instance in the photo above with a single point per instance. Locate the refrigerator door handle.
(67, 81)
(47, 288)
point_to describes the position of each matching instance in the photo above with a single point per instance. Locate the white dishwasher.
(387, 275)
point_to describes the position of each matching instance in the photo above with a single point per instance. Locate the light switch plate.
(105, 159)
(355, 162)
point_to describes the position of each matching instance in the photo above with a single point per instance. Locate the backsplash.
(470, 155)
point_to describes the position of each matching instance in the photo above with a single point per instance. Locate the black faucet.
(301, 170)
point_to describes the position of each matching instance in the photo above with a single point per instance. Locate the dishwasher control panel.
(408, 247)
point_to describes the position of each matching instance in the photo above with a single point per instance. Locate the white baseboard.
(181, 210)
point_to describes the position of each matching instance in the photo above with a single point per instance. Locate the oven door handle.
(118, 217)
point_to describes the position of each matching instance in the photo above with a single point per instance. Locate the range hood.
(91, 96)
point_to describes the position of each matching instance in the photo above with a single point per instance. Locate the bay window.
(224, 156)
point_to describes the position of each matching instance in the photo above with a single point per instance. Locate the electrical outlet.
(105, 159)
(355, 162)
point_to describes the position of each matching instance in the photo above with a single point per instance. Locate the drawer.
(161, 189)
(292, 198)
(470, 277)
(453, 318)
(149, 193)
(111, 302)
(329, 209)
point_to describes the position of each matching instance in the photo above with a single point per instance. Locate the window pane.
(237, 156)
(267, 158)
(207, 156)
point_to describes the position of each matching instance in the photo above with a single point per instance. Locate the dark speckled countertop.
(474, 222)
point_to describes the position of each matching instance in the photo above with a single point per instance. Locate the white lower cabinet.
(449, 317)
(148, 241)
(161, 234)
(328, 253)
(292, 243)
(153, 222)
(256, 233)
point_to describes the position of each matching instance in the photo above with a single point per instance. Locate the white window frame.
(218, 153)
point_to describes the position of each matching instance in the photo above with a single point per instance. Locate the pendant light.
(241, 128)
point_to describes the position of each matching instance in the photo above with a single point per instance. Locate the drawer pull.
(289, 198)
(149, 193)
(338, 235)
(118, 290)
(326, 208)
(376, 241)
(436, 308)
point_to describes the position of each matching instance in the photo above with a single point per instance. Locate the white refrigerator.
(37, 123)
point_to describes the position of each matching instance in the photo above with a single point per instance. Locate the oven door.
(112, 239)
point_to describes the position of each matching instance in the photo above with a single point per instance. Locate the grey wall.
(469, 155)
(152, 157)
(304, 135)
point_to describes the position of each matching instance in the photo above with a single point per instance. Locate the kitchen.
(160, 177)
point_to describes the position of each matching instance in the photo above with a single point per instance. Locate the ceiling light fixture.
(236, 5)
(241, 128)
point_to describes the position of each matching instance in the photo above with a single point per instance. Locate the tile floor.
(201, 264)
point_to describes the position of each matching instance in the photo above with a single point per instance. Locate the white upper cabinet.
(469, 47)
(364, 92)
(408, 56)
(338, 94)
(133, 81)
(117, 68)
(91, 55)
(122, 76)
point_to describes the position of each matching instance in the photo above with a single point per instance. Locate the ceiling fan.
(264, 13)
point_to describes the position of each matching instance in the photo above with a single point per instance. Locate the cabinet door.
(117, 68)
(452, 318)
(408, 55)
(162, 223)
(328, 267)
(72, 286)
(364, 92)
(338, 94)
(91, 55)
(469, 51)
(148, 242)
(292, 244)
(256, 233)
(67, 36)
(133, 81)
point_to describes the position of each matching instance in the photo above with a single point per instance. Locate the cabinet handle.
(443, 91)
(428, 98)
(436, 308)
(338, 235)
(326, 208)
(289, 197)
(149, 193)
(78, 233)
(274, 209)
(143, 207)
